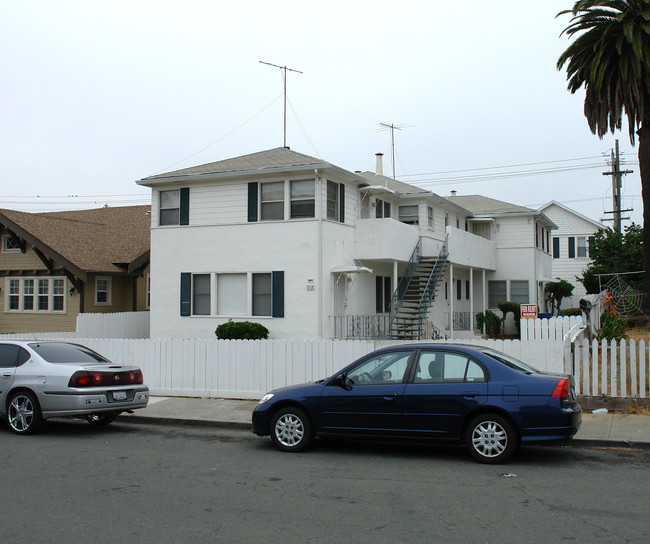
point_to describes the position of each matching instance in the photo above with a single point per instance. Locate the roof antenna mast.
(284, 78)
(392, 127)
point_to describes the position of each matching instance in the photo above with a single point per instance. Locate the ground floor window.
(35, 295)
(103, 290)
(519, 292)
(496, 293)
(232, 294)
(383, 294)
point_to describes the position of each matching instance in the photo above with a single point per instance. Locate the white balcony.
(467, 249)
(384, 239)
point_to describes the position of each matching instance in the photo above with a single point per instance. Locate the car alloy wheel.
(490, 439)
(291, 429)
(24, 413)
(101, 418)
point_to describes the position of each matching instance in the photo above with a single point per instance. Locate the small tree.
(614, 252)
(506, 307)
(555, 291)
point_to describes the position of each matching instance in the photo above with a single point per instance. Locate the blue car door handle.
(470, 394)
(390, 396)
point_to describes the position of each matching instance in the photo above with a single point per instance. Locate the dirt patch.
(639, 333)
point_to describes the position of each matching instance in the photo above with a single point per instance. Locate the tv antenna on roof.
(392, 127)
(284, 78)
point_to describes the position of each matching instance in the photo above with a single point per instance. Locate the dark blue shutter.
(252, 201)
(572, 247)
(556, 247)
(278, 294)
(186, 293)
(341, 202)
(185, 206)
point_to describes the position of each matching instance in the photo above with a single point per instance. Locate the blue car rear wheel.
(491, 439)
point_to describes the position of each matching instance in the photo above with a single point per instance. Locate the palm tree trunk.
(644, 167)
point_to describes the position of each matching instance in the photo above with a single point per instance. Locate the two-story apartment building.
(310, 249)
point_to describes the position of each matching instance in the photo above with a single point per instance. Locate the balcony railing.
(361, 327)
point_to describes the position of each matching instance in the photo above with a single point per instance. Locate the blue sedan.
(436, 392)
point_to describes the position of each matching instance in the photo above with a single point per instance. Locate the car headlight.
(265, 398)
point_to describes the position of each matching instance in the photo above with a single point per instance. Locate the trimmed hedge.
(241, 330)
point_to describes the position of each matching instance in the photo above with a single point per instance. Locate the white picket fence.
(554, 328)
(230, 368)
(117, 325)
(614, 369)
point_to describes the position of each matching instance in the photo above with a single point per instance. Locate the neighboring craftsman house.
(312, 250)
(57, 265)
(570, 247)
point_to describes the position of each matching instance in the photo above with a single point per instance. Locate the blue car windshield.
(513, 363)
(61, 352)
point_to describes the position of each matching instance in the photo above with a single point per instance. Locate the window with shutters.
(232, 294)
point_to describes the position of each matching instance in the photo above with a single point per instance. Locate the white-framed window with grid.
(37, 295)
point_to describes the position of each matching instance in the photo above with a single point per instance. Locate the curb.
(575, 442)
(146, 420)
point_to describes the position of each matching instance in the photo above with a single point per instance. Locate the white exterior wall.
(570, 225)
(518, 258)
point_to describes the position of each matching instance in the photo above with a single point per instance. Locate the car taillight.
(135, 377)
(97, 378)
(562, 389)
(80, 378)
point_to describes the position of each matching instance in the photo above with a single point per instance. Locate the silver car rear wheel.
(24, 413)
(101, 418)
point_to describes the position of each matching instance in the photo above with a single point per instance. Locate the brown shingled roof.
(92, 240)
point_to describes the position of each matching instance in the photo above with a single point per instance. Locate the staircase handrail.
(405, 280)
(436, 274)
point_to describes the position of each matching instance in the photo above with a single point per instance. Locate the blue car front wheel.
(291, 429)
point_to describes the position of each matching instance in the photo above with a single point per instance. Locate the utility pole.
(284, 78)
(617, 174)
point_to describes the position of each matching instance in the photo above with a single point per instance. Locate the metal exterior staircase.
(415, 293)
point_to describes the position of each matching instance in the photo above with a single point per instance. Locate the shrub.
(571, 311)
(491, 321)
(505, 307)
(241, 330)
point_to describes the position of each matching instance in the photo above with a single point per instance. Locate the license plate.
(119, 395)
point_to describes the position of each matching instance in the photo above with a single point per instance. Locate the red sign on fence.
(528, 311)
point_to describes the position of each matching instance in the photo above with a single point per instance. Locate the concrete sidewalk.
(613, 430)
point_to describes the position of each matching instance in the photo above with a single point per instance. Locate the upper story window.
(430, 216)
(582, 246)
(382, 209)
(333, 200)
(556, 247)
(170, 207)
(302, 198)
(272, 201)
(174, 207)
(409, 215)
(10, 244)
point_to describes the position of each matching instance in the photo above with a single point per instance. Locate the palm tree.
(610, 57)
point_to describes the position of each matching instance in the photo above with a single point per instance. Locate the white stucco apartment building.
(311, 250)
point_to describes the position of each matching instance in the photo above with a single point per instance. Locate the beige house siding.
(39, 321)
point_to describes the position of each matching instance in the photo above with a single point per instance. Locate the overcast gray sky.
(98, 94)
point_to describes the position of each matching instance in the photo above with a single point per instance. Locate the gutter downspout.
(318, 182)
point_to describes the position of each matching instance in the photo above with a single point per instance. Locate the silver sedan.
(41, 380)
